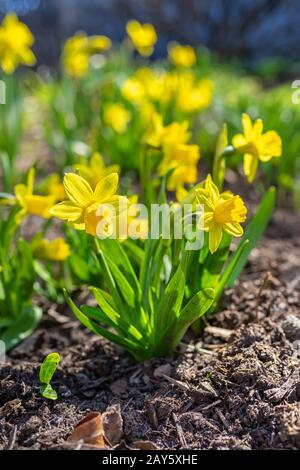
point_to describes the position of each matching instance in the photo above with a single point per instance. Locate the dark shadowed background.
(247, 29)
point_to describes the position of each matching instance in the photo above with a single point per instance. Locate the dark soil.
(236, 386)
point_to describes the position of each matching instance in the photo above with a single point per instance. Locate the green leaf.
(100, 331)
(171, 301)
(137, 253)
(230, 269)
(196, 307)
(48, 367)
(253, 233)
(95, 313)
(48, 392)
(22, 327)
(219, 165)
(214, 263)
(114, 252)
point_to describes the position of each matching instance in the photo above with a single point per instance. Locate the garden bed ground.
(237, 386)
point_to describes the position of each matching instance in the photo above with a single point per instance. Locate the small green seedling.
(47, 370)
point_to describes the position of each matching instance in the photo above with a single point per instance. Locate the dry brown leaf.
(89, 430)
(112, 422)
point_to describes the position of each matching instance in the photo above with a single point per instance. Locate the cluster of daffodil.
(144, 118)
(78, 51)
(122, 94)
(153, 289)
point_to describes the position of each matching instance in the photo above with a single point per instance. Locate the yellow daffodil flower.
(182, 56)
(180, 154)
(31, 203)
(182, 174)
(77, 52)
(54, 250)
(153, 82)
(221, 212)
(75, 55)
(117, 117)
(16, 41)
(193, 96)
(133, 90)
(142, 36)
(156, 131)
(183, 159)
(76, 65)
(256, 146)
(83, 202)
(169, 136)
(94, 169)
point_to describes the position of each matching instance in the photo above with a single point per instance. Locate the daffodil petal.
(234, 229)
(21, 192)
(106, 188)
(239, 141)
(215, 237)
(257, 129)
(97, 163)
(78, 189)
(250, 166)
(212, 188)
(271, 146)
(247, 126)
(39, 205)
(203, 197)
(66, 211)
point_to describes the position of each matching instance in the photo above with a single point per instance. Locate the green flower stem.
(219, 165)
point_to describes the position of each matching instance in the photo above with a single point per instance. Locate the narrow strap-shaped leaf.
(114, 251)
(171, 301)
(176, 328)
(122, 284)
(137, 253)
(230, 269)
(95, 313)
(253, 233)
(99, 330)
(219, 159)
(110, 281)
(214, 263)
(147, 267)
(105, 304)
(197, 306)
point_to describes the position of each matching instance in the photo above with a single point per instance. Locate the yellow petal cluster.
(31, 203)
(179, 89)
(142, 36)
(81, 208)
(178, 155)
(94, 169)
(117, 117)
(77, 52)
(182, 56)
(16, 41)
(222, 212)
(256, 145)
(54, 250)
